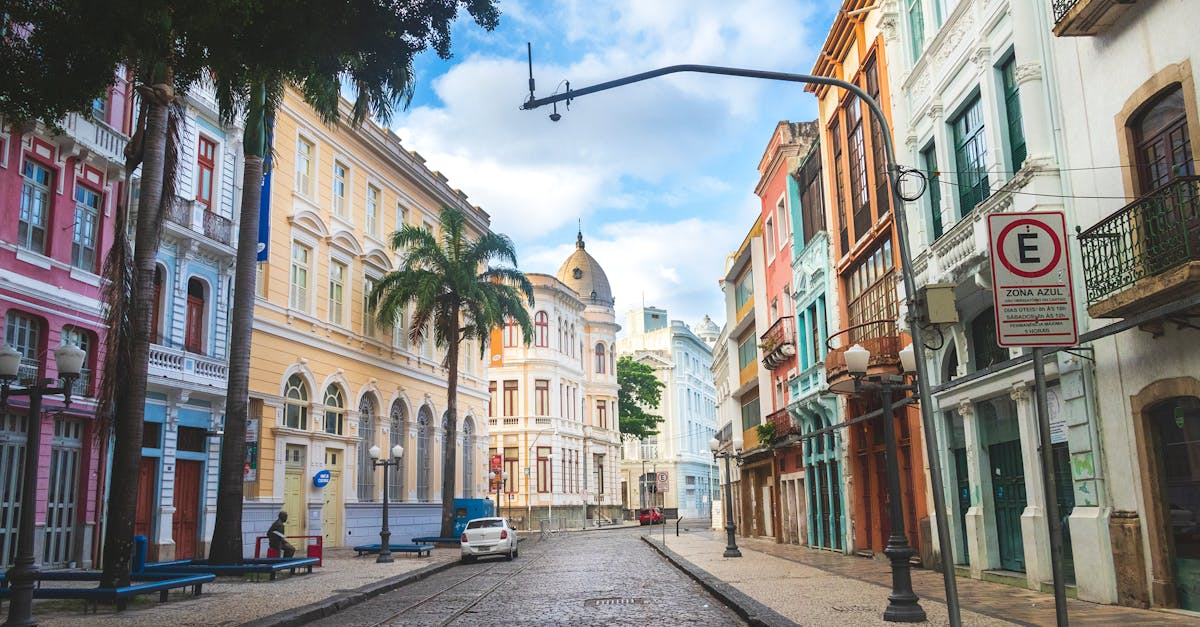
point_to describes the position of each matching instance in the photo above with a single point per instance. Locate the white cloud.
(653, 168)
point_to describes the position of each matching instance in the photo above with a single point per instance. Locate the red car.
(651, 516)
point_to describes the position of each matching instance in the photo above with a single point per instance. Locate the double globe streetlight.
(23, 575)
(714, 445)
(903, 605)
(385, 534)
(502, 482)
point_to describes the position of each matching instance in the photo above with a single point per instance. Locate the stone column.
(981, 546)
(1035, 534)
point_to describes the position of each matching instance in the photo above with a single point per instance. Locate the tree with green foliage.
(638, 390)
(368, 45)
(455, 291)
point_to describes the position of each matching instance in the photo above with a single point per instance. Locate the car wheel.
(516, 552)
(510, 554)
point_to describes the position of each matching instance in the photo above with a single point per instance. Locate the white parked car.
(488, 536)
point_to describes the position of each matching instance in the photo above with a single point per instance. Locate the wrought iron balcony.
(1146, 253)
(215, 227)
(784, 425)
(878, 336)
(1074, 18)
(778, 343)
(219, 228)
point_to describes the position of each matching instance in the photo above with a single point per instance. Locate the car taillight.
(504, 534)
(463, 539)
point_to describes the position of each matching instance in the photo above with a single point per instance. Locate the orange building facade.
(866, 262)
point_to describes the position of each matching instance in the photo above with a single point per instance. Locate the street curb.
(753, 611)
(313, 611)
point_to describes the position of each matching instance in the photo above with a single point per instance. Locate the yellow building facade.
(326, 381)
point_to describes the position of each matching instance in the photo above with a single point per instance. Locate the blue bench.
(250, 565)
(421, 550)
(144, 583)
(433, 540)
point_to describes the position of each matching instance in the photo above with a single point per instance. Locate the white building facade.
(682, 361)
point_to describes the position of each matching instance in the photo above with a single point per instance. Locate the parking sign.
(1031, 279)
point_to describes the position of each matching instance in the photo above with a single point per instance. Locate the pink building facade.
(58, 197)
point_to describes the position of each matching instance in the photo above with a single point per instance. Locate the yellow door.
(293, 489)
(331, 514)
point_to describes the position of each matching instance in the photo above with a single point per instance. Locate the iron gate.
(12, 447)
(62, 499)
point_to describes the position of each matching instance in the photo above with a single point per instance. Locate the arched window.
(295, 408)
(399, 435)
(601, 360)
(468, 460)
(424, 448)
(1163, 150)
(194, 329)
(572, 338)
(335, 409)
(511, 333)
(366, 435)
(541, 323)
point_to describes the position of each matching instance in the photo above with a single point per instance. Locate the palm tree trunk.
(227, 531)
(130, 410)
(451, 448)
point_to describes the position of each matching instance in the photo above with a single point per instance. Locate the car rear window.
(484, 524)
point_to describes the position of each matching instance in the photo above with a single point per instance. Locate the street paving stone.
(596, 578)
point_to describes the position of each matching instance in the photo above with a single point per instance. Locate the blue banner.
(264, 202)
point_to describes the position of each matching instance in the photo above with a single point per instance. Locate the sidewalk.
(814, 587)
(230, 601)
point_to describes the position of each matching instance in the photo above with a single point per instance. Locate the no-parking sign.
(1031, 279)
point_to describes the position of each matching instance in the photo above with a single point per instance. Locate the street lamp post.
(385, 534)
(903, 604)
(23, 574)
(503, 481)
(714, 445)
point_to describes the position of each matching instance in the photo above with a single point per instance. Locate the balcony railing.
(28, 371)
(174, 363)
(779, 343)
(97, 137)
(1073, 18)
(879, 336)
(215, 227)
(1148, 237)
(784, 425)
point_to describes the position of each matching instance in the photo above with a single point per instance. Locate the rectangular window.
(491, 398)
(260, 279)
(1012, 112)
(750, 415)
(769, 237)
(372, 222)
(860, 202)
(298, 298)
(206, 157)
(511, 459)
(812, 200)
(368, 320)
(784, 224)
(544, 481)
(916, 28)
(23, 332)
(970, 157)
(840, 184)
(35, 207)
(871, 293)
(598, 464)
(541, 396)
(510, 398)
(304, 159)
(85, 229)
(929, 164)
(339, 189)
(602, 414)
(747, 352)
(878, 158)
(744, 290)
(337, 286)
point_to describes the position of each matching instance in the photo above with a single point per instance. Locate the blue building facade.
(188, 376)
(820, 456)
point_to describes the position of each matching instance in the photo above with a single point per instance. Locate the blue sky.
(661, 173)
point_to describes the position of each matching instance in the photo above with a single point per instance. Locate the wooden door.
(294, 501)
(331, 513)
(1008, 491)
(143, 520)
(185, 525)
(62, 495)
(194, 342)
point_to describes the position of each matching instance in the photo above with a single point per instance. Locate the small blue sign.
(321, 479)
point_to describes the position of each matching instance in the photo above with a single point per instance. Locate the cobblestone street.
(597, 578)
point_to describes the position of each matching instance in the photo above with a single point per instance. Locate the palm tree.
(456, 292)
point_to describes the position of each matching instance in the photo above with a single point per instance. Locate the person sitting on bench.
(276, 539)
